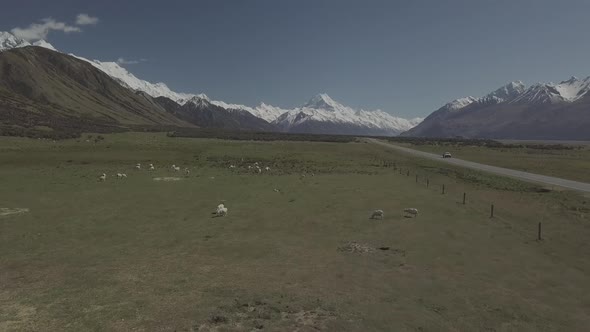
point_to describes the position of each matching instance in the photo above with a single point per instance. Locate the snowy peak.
(199, 101)
(323, 114)
(44, 44)
(573, 89)
(540, 93)
(458, 104)
(322, 101)
(507, 92)
(9, 41)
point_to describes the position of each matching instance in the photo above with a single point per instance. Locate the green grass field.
(144, 255)
(571, 164)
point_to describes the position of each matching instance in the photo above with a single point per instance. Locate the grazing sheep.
(103, 177)
(267, 168)
(249, 167)
(377, 213)
(187, 171)
(175, 168)
(138, 166)
(259, 170)
(152, 167)
(232, 166)
(222, 212)
(411, 211)
(121, 175)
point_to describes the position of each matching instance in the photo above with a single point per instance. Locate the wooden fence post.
(539, 238)
(427, 183)
(464, 194)
(416, 178)
(443, 189)
(408, 172)
(492, 211)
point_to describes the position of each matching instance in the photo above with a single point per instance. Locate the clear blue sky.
(404, 57)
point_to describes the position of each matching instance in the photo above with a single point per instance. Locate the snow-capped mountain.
(573, 89)
(505, 93)
(541, 111)
(550, 93)
(9, 41)
(322, 114)
(320, 109)
(129, 80)
(43, 43)
(517, 93)
(459, 103)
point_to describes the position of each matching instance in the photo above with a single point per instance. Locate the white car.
(446, 155)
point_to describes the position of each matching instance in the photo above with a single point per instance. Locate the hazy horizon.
(407, 58)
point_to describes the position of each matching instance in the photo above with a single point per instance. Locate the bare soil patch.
(10, 211)
(261, 315)
(168, 178)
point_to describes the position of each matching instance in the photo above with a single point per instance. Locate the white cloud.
(37, 31)
(123, 61)
(85, 19)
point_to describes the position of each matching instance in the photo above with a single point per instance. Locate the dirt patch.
(354, 247)
(362, 248)
(17, 317)
(9, 211)
(261, 315)
(168, 178)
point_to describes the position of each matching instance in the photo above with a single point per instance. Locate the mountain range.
(319, 115)
(542, 111)
(42, 87)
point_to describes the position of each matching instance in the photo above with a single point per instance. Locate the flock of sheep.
(151, 167)
(380, 214)
(222, 210)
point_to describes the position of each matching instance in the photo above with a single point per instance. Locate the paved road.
(530, 177)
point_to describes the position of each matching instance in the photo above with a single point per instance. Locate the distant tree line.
(257, 136)
(489, 143)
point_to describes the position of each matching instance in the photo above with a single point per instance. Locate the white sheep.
(267, 168)
(232, 166)
(187, 171)
(175, 168)
(412, 211)
(152, 167)
(377, 213)
(103, 177)
(249, 167)
(222, 212)
(259, 170)
(138, 166)
(121, 175)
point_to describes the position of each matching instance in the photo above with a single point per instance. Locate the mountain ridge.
(368, 122)
(541, 111)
